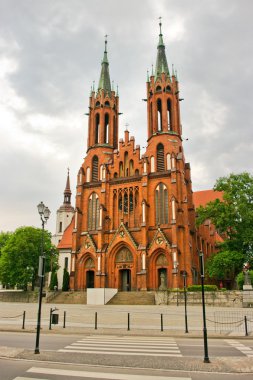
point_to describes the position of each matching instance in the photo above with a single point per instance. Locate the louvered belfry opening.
(160, 158)
(95, 168)
(161, 204)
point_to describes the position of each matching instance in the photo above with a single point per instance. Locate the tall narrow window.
(152, 164)
(169, 118)
(106, 130)
(93, 212)
(60, 227)
(95, 168)
(159, 115)
(121, 174)
(160, 158)
(97, 126)
(126, 163)
(88, 175)
(131, 168)
(161, 204)
(168, 162)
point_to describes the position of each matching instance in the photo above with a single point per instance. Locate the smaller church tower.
(64, 214)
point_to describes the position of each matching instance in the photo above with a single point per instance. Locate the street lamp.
(184, 274)
(202, 275)
(44, 215)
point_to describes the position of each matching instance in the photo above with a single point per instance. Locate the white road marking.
(120, 353)
(121, 346)
(98, 375)
(240, 347)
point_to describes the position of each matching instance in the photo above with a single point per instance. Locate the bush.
(65, 282)
(197, 288)
(54, 281)
(240, 279)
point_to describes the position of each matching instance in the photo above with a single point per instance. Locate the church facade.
(134, 221)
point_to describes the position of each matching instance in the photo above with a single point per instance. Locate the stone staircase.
(70, 297)
(133, 298)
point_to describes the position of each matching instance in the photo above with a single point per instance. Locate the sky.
(51, 52)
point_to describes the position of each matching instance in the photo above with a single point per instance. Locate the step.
(133, 298)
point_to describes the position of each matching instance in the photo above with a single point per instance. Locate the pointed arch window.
(161, 204)
(159, 115)
(126, 164)
(106, 130)
(93, 212)
(95, 168)
(169, 113)
(160, 158)
(131, 168)
(97, 127)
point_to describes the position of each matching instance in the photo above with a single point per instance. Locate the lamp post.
(185, 301)
(44, 215)
(202, 275)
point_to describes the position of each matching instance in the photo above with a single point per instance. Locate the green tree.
(65, 282)
(4, 236)
(225, 265)
(234, 215)
(240, 279)
(54, 281)
(19, 260)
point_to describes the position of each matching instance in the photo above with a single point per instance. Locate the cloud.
(50, 52)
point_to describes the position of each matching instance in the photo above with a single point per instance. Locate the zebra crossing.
(241, 347)
(82, 374)
(131, 346)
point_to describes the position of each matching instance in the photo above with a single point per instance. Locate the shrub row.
(197, 288)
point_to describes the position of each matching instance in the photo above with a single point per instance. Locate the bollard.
(64, 319)
(50, 319)
(96, 320)
(128, 321)
(246, 326)
(23, 325)
(161, 322)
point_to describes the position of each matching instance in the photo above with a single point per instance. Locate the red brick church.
(134, 220)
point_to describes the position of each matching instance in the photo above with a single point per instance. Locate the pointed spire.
(104, 81)
(67, 191)
(161, 60)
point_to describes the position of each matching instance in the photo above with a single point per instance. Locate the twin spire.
(104, 81)
(161, 60)
(161, 64)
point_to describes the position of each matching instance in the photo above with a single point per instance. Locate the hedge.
(197, 288)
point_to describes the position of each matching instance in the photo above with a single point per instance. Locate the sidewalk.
(113, 320)
(142, 320)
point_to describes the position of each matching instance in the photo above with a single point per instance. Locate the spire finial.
(67, 191)
(152, 72)
(160, 24)
(126, 125)
(68, 171)
(147, 75)
(106, 43)
(112, 85)
(93, 86)
(117, 93)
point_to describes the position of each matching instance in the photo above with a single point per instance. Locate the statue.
(163, 285)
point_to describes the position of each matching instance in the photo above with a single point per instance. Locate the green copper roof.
(161, 60)
(104, 81)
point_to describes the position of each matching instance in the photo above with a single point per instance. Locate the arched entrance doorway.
(90, 273)
(125, 279)
(161, 272)
(124, 264)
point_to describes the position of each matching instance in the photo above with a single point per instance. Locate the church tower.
(169, 189)
(64, 214)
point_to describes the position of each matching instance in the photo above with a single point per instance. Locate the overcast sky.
(51, 51)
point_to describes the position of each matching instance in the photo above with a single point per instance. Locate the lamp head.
(41, 208)
(46, 213)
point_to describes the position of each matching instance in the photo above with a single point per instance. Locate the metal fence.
(240, 321)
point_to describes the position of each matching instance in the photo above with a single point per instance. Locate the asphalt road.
(24, 370)
(187, 347)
